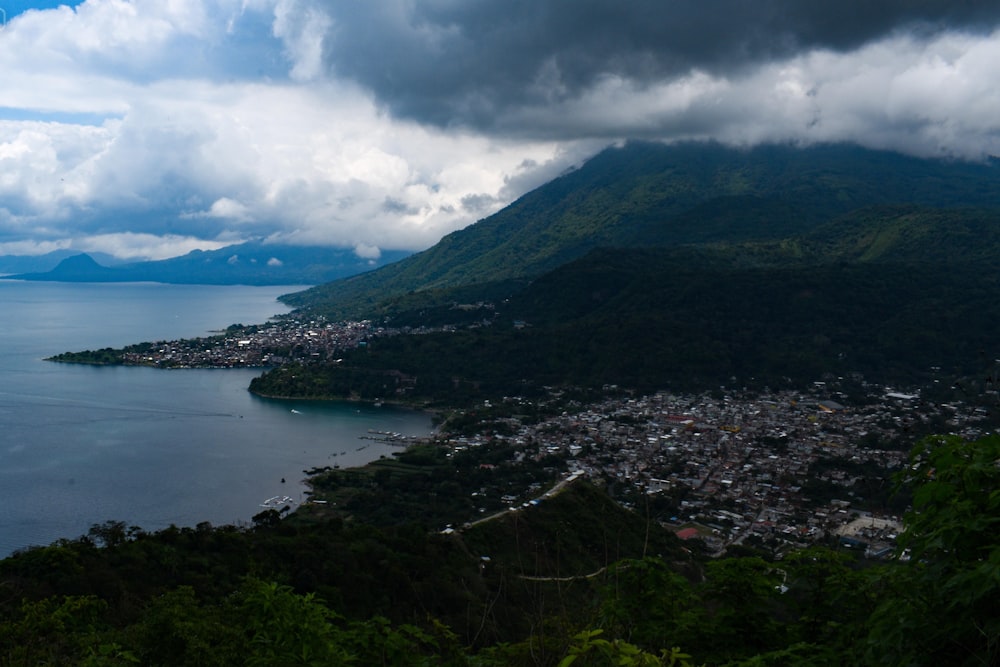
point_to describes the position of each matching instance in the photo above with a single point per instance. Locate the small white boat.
(277, 501)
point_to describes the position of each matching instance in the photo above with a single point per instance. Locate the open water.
(81, 445)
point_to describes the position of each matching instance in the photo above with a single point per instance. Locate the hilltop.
(644, 195)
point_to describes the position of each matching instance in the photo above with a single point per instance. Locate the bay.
(81, 445)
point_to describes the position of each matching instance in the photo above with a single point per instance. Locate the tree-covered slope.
(576, 580)
(886, 291)
(909, 234)
(641, 319)
(646, 194)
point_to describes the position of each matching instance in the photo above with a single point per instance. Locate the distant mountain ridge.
(652, 195)
(15, 264)
(248, 264)
(81, 267)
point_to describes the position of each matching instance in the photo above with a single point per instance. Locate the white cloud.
(303, 28)
(145, 246)
(367, 251)
(225, 208)
(124, 245)
(149, 127)
(307, 164)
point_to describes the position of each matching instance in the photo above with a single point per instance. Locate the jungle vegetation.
(576, 580)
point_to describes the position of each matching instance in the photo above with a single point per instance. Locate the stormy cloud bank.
(146, 128)
(477, 63)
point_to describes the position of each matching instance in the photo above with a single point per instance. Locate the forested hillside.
(643, 195)
(642, 319)
(574, 576)
(688, 267)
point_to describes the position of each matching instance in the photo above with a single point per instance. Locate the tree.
(940, 604)
(741, 597)
(647, 603)
(288, 629)
(828, 594)
(53, 631)
(589, 648)
(109, 534)
(177, 629)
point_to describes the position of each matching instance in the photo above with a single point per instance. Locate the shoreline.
(396, 403)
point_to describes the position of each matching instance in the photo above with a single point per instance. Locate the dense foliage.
(577, 583)
(647, 320)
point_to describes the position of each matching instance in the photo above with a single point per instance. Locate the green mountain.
(652, 195)
(76, 268)
(806, 264)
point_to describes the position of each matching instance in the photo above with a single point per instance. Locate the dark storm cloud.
(457, 62)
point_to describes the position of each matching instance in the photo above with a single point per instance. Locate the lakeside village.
(261, 346)
(776, 471)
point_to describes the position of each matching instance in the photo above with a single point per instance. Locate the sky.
(149, 128)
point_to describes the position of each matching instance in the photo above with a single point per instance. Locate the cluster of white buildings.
(265, 345)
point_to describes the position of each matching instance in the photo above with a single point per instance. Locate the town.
(773, 470)
(260, 346)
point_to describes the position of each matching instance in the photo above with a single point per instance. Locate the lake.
(82, 444)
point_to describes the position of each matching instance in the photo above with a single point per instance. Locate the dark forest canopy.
(576, 575)
(645, 320)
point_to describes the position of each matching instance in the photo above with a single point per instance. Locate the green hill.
(652, 195)
(642, 319)
(889, 292)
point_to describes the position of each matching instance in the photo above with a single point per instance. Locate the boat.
(275, 502)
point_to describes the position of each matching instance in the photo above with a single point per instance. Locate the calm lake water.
(81, 445)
